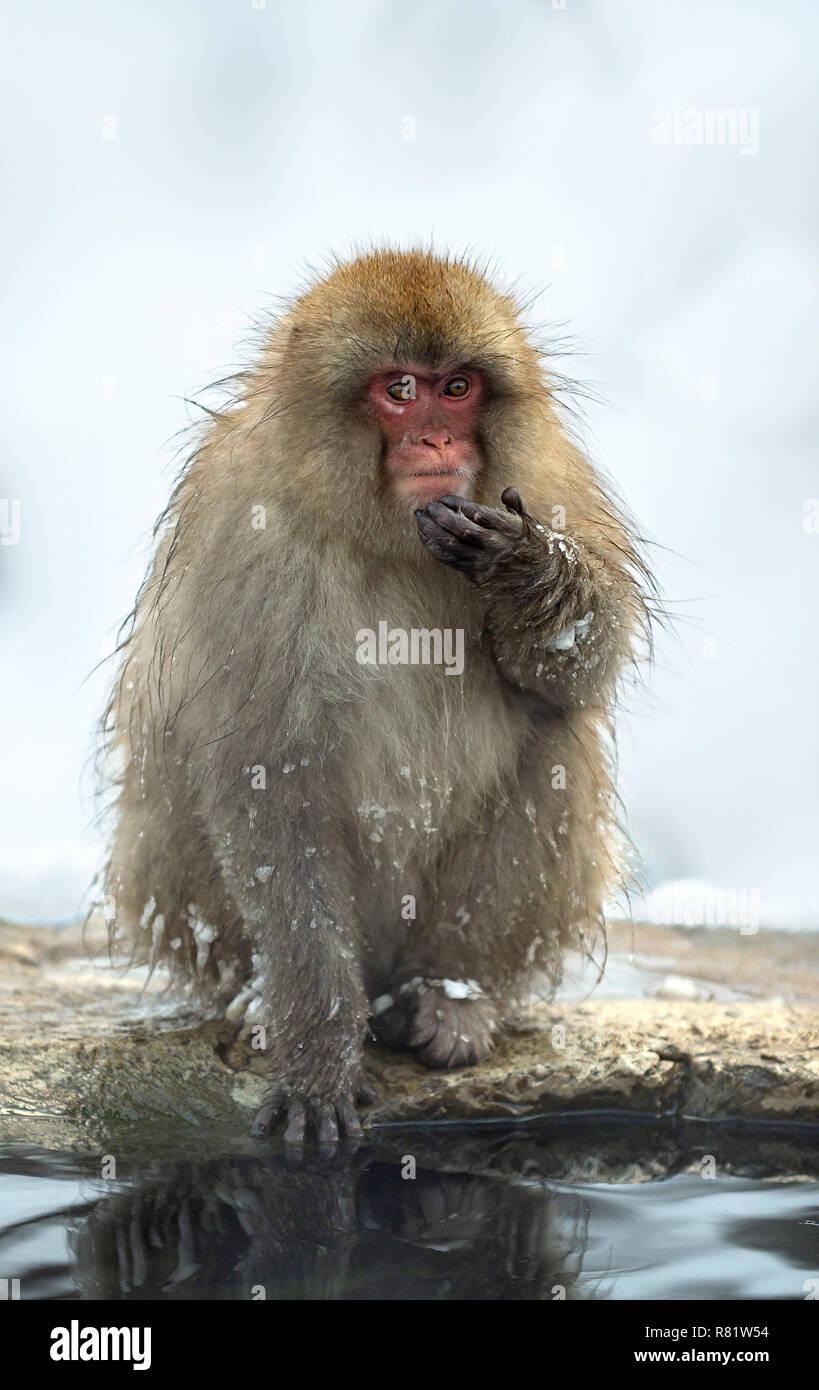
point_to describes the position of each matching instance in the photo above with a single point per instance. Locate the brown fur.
(382, 781)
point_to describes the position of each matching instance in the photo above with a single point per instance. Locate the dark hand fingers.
(452, 520)
(326, 1127)
(456, 540)
(511, 498)
(448, 527)
(488, 518)
(348, 1118)
(448, 548)
(296, 1125)
(271, 1106)
(331, 1120)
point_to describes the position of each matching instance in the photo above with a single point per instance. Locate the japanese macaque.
(325, 828)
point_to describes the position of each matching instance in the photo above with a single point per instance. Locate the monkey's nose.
(437, 439)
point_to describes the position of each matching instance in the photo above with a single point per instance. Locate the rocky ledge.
(688, 1023)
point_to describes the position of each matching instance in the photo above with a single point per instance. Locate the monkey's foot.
(332, 1116)
(446, 1023)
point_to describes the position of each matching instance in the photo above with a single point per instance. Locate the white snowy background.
(250, 139)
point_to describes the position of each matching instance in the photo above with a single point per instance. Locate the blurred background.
(170, 169)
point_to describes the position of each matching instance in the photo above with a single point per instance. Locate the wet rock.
(91, 1055)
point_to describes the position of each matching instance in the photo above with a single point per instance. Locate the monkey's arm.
(560, 618)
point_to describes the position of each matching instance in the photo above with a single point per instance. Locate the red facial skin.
(432, 449)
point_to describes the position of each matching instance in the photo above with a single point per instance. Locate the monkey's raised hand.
(547, 596)
(470, 536)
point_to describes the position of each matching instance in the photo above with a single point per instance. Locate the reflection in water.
(490, 1214)
(227, 1229)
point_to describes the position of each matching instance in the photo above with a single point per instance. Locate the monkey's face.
(429, 427)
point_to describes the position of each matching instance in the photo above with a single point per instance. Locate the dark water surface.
(534, 1211)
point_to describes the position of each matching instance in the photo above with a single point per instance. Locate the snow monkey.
(364, 706)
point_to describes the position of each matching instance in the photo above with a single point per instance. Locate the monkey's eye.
(398, 391)
(457, 386)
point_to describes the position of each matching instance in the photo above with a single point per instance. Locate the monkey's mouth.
(440, 473)
(431, 483)
(422, 476)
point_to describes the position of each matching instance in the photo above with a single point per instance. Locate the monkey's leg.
(285, 866)
(165, 887)
(503, 898)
